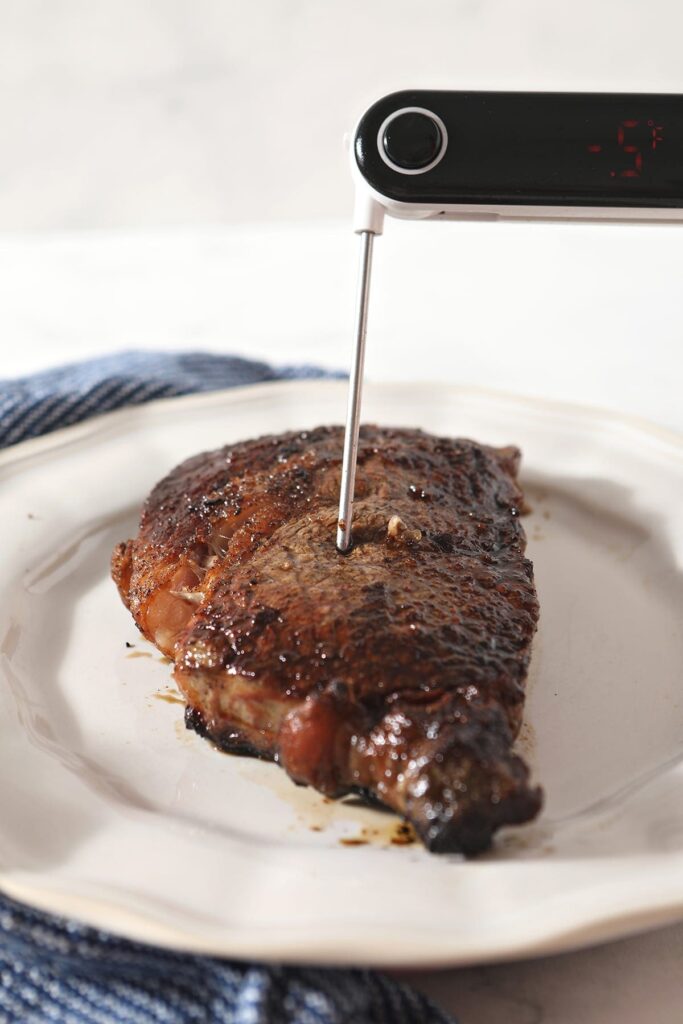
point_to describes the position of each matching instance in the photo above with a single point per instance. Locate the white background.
(141, 112)
(172, 175)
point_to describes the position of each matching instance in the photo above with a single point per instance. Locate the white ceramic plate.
(112, 812)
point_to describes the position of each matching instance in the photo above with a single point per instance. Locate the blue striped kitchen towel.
(30, 406)
(60, 971)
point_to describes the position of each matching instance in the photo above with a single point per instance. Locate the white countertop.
(581, 314)
(577, 313)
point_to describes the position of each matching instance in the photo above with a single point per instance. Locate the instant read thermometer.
(505, 156)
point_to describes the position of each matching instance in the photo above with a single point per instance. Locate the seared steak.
(396, 670)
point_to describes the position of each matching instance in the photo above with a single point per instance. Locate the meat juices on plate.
(395, 671)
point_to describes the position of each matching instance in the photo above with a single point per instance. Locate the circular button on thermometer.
(412, 140)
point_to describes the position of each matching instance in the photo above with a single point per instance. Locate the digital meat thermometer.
(504, 156)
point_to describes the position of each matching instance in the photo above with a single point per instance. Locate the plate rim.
(64, 436)
(334, 946)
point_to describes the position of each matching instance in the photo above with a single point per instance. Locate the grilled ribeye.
(396, 670)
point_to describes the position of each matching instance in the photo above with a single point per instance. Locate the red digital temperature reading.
(633, 138)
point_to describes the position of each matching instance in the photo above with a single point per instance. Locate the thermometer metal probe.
(350, 456)
(504, 156)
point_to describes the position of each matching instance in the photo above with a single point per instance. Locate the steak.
(395, 671)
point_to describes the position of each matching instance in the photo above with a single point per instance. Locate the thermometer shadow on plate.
(581, 157)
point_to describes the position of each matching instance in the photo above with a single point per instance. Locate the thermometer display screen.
(569, 149)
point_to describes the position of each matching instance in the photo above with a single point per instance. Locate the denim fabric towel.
(65, 973)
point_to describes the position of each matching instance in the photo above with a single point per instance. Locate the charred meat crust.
(229, 742)
(396, 670)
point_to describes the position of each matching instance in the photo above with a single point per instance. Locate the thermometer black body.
(530, 155)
